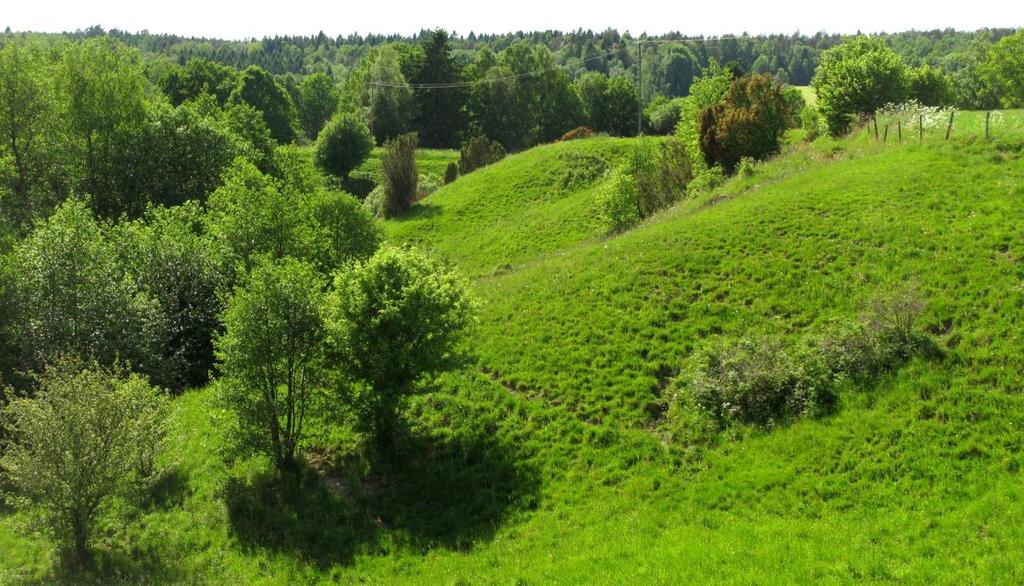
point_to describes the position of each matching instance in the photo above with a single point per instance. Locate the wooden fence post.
(987, 116)
(949, 127)
(875, 121)
(899, 130)
(920, 127)
(885, 137)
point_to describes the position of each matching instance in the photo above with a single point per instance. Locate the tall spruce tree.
(439, 116)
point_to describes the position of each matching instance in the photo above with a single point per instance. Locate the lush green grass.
(549, 459)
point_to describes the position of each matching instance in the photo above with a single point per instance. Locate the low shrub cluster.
(479, 152)
(451, 172)
(652, 179)
(748, 122)
(579, 132)
(764, 380)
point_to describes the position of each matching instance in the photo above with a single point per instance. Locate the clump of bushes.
(479, 152)
(651, 180)
(748, 122)
(428, 184)
(763, 380)
(663, 115)
(400, 178)
(579, 132)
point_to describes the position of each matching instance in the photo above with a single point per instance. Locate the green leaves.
(87, 436)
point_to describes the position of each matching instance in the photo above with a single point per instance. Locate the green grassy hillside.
(549, 460)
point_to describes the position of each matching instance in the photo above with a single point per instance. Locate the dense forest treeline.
(669, 60)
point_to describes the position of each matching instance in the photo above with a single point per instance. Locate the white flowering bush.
(913, 115)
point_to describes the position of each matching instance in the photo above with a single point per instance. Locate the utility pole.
(639, 86)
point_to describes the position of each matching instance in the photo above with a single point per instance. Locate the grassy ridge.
(547, 461)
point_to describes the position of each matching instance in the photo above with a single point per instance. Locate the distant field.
(808, 93)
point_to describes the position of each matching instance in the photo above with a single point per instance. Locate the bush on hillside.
(664, 117)
(479, 152)
(812, 123)
(749, 122)
(399, 174)
(616, 203)
(764, 380)
(451, 172)
(428, 183)
(343, 144)
(394, 319)
(579, 132)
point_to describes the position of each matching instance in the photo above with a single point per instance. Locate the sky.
(259, 18)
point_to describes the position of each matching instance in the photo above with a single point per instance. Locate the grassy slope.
(552, 465)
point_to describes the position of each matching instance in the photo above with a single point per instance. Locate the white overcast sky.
(238, 20)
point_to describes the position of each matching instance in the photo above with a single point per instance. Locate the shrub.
(88, 436)
(812, 123)
(675, 170)
(271, 354)
(931, 87)
(374, 202)
(765, 379)
(341, 230)
(616, 203)
(394, 319)
(479, 152)
(705, 180)
(757, 380)
(795, 105)
(343, 144)
(74, 299)
(579, 132)
(746, 167)
(427, 184)
(856, 78)
(749, 122)
(451, 172)
(665, 117)
(171, 260)
(399, 174)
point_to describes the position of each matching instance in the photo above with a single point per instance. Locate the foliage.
(1003, 70)
(479, 152)
(344, 144)
(72, 300)
(857, 78)
(707, 90)
(252, 215)
(399, 174)
(427, 184)
(812, 123)
(451, 173)
(271, 355)
(616, 203)
(318, 102)
(664, 117)
(578, 133)
(27, 101)
(247, 124)
(395, 319)
(438, 117)
(749, 122)
(258, 88)
(930, 86)
(88, 436)
(170, 258)
(342, 230)
(197, 77)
